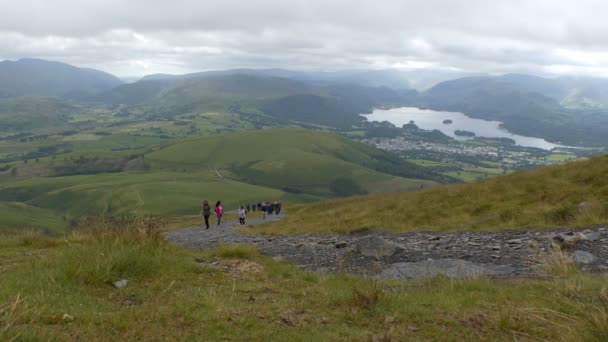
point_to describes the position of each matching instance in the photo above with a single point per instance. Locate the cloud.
(139, 37)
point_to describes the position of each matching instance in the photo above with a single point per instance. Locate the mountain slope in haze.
(391, 78)
(37, 77)
(277, 98)
(526, 105)
(569, 195)
(26, 113)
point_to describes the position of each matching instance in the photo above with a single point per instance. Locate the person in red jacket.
(219, 211)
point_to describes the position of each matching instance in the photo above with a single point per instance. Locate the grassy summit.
(573, 194)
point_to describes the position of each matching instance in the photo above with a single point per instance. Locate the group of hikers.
(267, 208)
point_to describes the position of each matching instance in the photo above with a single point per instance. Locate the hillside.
(292, 165)
(36, 77)
(527, 105)
(261, 97)
(573, 194)
(26, 113)
(295, 160)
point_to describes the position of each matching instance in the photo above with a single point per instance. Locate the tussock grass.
(68, 296)
(573, 194)
(235, 252)
(559, 263)
(368, 296)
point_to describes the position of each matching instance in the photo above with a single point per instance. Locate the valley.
(363, 171)
(280, 136)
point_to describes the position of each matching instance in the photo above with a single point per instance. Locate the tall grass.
(112, 249)
(559, 263)
(573, 194)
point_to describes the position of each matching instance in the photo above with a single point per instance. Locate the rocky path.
(413, 255)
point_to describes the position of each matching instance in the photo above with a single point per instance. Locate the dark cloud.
(138, 37)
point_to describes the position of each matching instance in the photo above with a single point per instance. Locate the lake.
(431, 119)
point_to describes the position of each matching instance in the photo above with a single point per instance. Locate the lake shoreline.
(429, 119)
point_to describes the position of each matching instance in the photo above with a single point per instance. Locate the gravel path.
(413, 255)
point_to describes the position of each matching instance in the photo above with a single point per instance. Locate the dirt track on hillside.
(413, 255)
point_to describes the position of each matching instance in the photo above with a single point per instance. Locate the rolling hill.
(570, 195)
(292, 165)
(37, 77)
(295, 160)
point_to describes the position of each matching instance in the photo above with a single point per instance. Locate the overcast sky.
(138, 37)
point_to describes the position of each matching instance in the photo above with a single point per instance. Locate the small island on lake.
(461, 133)
(447, 122)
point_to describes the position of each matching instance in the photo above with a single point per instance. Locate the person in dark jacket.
(206, 212)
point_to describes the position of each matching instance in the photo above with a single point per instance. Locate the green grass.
(556, 157)
(22, 217)
(157, 193)
(63, 291)
(303, 160)
(545, 197)
(428, 163)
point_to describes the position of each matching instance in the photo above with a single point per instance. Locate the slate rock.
(374, 246)
(341, 244)
(583, 257)
(452, 268)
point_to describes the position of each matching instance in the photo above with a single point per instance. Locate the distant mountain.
(391, 78)
(36, 77)
(527, 105)
(26, 113)
(282, 99)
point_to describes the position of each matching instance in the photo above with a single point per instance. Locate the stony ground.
(412, 255)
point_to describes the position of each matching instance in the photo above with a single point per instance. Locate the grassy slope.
(158, 193)
(25, 113)
(544, 197)
(20, 216)
(294, 158)
(180, 176)
(61, 290)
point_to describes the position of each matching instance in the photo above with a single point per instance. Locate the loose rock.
(373, 246)
(583, 257)
(120, 283)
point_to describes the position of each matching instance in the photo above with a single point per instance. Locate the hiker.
(242, 216)
(269, 208)
(219, 211)
(248, 207)
(264, 208)
(206, 212)
(279, 207)
(275, 205)
(253, 207)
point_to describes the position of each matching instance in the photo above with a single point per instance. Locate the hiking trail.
(413, 255)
